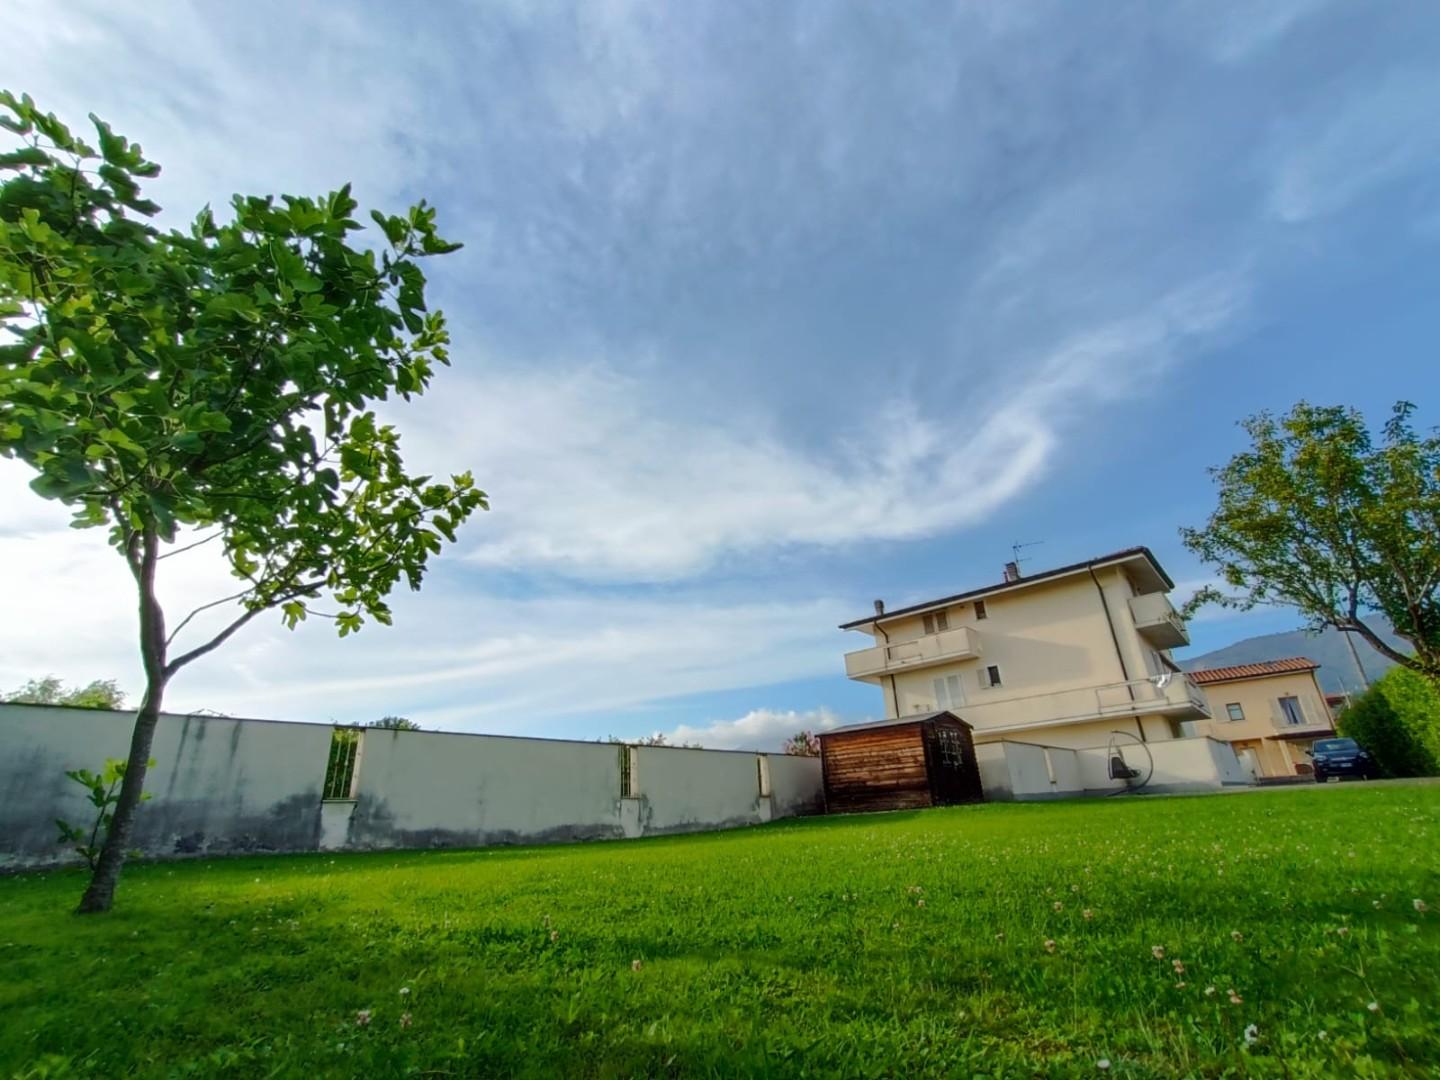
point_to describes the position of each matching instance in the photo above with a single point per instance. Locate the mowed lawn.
(1120, 937)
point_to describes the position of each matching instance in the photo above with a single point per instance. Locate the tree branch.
(191, 547)
(1354, 625)
(203, 607)
(229, 631)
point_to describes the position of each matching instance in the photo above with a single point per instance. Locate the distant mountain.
(1337, 672)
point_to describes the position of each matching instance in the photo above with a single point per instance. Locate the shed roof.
(1289, 666)
(899, 721)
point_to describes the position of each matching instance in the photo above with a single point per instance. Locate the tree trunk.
(101, 892)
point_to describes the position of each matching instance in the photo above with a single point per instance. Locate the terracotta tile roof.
(1253, 671)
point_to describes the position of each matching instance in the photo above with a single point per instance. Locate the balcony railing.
(1307, 721)
(1174, 696)
(1158, 621)
(961, 643)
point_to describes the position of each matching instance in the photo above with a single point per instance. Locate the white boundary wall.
(1025, 771)
(223, 785)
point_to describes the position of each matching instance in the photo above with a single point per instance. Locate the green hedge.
(1398, 721)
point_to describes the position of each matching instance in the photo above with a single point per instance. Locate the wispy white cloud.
(1236, 30)
(759, 729)
(741, 284)
(590, 475)
(1379, 133)
(460, 656)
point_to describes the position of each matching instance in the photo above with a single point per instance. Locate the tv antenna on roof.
(1018, 547)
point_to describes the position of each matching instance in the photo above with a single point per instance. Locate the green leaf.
(394, 228)
(25, 156)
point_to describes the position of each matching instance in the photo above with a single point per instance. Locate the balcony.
(1158, 621)
(1304, 724)
(948, 646)
(1174, 696)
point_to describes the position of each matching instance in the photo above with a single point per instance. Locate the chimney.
(1012, 571)
(879, 607)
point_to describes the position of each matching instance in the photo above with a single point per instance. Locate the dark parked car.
(1335, 758)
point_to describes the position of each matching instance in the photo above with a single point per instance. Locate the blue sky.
(768, 310)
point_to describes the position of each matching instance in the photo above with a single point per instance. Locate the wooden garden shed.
(903, 764)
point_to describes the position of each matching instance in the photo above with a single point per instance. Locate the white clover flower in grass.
(636, 965)
(362, 1018)
(1236, 935)
(1209, 991)
(1420, 905)
(1058, 906)
(1252, 1035)
(405, 1020)
(1235, 999)
(1322, 1035)
(1157, 951)
(1374, 1006)
(1049, 945)
(404, 991)
(1103, 1064)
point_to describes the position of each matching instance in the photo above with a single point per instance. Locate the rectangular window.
(1290, 709)
(980, 609)
(990, 676)
(948, 692)
(1235, 711)
(936, 622)
(629, 782)
(340, 770)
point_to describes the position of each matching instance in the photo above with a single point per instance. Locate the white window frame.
(949, 691)
(1297, 719)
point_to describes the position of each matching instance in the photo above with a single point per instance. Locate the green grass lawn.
(1001, 941)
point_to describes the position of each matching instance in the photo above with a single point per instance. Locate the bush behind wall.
(1398, 721)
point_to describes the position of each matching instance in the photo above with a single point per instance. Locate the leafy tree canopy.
(99, 694)
(395, 723)
(216, 385)
(1398, 721)
(1316, 516)
(803, 744)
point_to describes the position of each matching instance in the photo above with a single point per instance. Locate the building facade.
(1270, 713)
(1066, 657)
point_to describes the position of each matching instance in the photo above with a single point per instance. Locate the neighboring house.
(1270, 713)
(1064, 658)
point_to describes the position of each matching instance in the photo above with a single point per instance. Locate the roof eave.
(1128, 555)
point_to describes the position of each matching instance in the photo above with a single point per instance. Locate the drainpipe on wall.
(1115, 640)
(894, 695)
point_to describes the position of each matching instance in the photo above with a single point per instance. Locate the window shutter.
(929, 621)
(942, 621)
